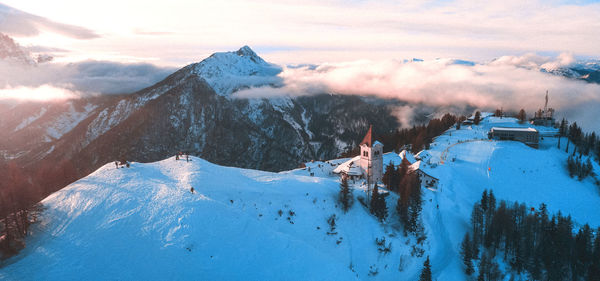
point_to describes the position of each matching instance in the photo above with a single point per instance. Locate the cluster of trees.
(17, 212)
(579, 168)
(521, 115)
(587, 144)
(408, 186)
(528, 240)
(20, 191)
(418, 137)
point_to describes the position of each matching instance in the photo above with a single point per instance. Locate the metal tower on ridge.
(546, 104)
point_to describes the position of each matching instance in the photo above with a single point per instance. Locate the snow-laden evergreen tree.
(426, 271)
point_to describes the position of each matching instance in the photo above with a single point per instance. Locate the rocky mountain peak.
(246, 51)
(227, 72)
(12, 51)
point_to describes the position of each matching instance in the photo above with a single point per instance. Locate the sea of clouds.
(509, 82)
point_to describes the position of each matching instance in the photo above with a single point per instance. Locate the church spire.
(368, 139)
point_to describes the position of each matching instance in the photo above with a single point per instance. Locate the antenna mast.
(546, 104)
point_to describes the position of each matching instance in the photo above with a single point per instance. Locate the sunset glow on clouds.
(37, 94)
(180, 32)
(359, 47)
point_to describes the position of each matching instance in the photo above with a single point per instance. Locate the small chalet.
(427, 180)
(408, 156)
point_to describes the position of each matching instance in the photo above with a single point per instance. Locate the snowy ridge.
(122, 223)
(227, 72)
(68, 120)
(30, 119)
(145, 216)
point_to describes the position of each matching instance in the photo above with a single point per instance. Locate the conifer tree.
(593, 273)
(345, 196)
(492, 202)
(388, 175)
(561, 130)
(477, 118)
(467, 255)
(483, 268)
(415, 203)
(498, 113)
(378, 206)
(522, 116)
(426, 271)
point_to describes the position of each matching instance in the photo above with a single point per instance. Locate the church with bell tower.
(371, 157)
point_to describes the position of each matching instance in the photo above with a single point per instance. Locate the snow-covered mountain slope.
(227, 72)
(143, 222)
(189, 103)
(514, 171)
(467, 163)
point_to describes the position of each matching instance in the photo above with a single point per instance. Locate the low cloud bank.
(38, 94)
(77, 79)
(508, 82)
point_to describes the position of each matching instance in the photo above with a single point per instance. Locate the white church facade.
(368, 165)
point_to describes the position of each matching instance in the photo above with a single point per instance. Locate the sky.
(359, 47)
(178, 32)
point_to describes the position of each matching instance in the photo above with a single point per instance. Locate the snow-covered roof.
(423, 155)
(377, 143)
(354, 170)
(416, 165)
(350, 167)
(409, 157)
(419, 165)
(517, 129)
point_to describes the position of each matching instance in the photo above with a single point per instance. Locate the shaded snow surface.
(143, 223)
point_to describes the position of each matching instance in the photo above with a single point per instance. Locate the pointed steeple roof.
(368, 139)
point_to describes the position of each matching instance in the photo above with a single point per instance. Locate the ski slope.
(143, 223)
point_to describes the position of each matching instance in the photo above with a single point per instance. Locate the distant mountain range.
(193, 111)
(11, 51)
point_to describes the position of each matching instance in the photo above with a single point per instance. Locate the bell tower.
(371, 158)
